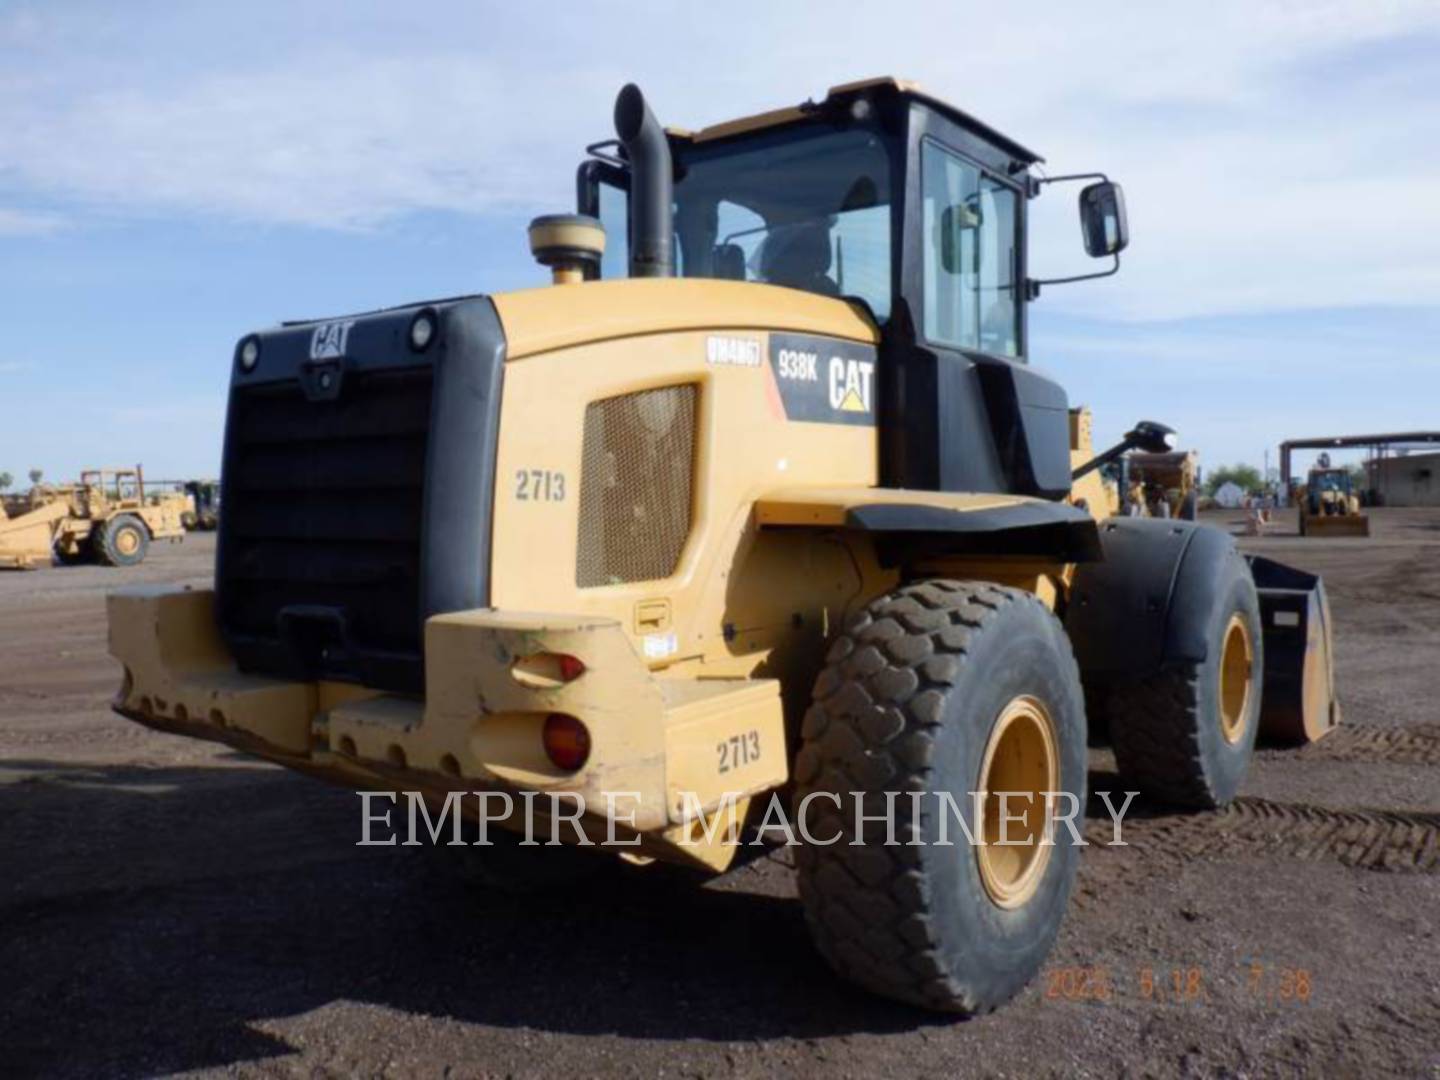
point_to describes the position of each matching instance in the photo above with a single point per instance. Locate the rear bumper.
(655, 763)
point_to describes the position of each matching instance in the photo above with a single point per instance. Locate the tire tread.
(872, 727)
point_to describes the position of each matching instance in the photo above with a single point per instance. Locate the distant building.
(1407, 479)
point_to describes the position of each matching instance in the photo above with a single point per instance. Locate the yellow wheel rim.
(1022, 761)
(1237, 676)
(127, 541)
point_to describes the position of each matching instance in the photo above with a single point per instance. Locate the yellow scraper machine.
(758, 504)
(106, 517)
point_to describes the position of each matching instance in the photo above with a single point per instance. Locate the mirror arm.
(1038, 182)
(1103, 459)
(1032, 286)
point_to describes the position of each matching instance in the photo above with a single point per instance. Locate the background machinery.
(1162, 484)
(780, 517)
(1328, 504)
(107, 517)
(202, 509)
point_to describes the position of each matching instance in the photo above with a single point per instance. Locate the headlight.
(422, 330)
(249, 354)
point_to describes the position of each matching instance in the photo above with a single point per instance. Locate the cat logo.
(329, 340)
(851, 384)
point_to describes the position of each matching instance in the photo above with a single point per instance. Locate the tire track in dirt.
(1387, 840)
(1413, 745)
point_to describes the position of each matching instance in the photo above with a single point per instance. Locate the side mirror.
(955, 221)
(1147, 435)
(1151, 437)
(1102, 219)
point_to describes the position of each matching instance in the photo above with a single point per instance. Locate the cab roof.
(848, 91)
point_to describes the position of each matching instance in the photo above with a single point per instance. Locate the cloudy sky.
(173, 175)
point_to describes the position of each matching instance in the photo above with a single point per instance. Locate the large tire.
(1185, 735)
(122, 541)
(73, 557)
(914, 692)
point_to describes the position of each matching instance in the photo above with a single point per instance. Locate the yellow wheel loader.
(756, 516)
(105, 518)
(1329, 505)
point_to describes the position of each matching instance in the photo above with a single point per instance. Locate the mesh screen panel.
(636, 474)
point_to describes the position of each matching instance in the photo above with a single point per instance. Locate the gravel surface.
(168, 905)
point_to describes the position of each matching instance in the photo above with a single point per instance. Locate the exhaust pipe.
(651, 184)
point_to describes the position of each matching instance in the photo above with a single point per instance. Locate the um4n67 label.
(824, 380)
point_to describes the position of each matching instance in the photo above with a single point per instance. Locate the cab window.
(615, 216)
(807, 209)
(969, 253)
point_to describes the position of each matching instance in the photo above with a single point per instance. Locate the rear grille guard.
(357, 509)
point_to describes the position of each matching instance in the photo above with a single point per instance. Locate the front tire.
(1185, 735)
(942, 688)
(122, 541)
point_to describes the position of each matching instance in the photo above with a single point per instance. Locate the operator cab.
(892, 200)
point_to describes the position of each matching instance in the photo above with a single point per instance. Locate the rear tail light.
(567, 741)
(547, 670)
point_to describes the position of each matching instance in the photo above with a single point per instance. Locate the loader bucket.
(1299, 705)
(1338, 525)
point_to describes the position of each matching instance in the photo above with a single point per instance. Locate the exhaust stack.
(651, 185)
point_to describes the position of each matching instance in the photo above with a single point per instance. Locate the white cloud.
(29, 222)
(1268, 163)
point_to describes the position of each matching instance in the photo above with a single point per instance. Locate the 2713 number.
(539, 485)
(738, 750)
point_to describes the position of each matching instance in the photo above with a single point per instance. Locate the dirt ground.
(167, 905)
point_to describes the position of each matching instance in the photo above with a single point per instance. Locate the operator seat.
(729, 262)
(799, 256)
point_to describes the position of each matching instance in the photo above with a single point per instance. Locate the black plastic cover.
(1030, 420)
(1037, 528)
(357, 480)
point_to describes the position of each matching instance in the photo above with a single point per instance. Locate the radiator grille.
(323, 507)
(635, 486)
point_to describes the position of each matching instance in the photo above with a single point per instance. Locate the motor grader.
(760, 496)
(1328, 505)
(106, 518)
